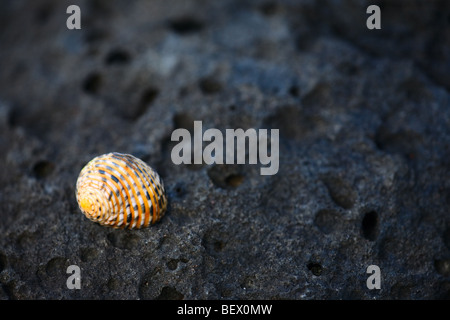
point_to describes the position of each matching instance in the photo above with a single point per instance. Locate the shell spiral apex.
(121, 191)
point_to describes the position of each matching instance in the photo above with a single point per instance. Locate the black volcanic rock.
(364, 149)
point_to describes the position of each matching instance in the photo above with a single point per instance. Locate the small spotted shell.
(121, 191)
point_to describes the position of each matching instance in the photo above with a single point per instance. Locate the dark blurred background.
(364, 119)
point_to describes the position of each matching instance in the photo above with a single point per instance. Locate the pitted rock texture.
(364, 149)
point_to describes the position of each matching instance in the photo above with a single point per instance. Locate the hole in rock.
(170, 293)
(315, 268)
(92, 83)
(185, 25)
(43, 168)
(117, 56)
(369, 225)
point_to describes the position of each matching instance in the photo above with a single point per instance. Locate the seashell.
(121, 191)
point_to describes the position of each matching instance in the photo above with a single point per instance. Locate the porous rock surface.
(364, 149)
